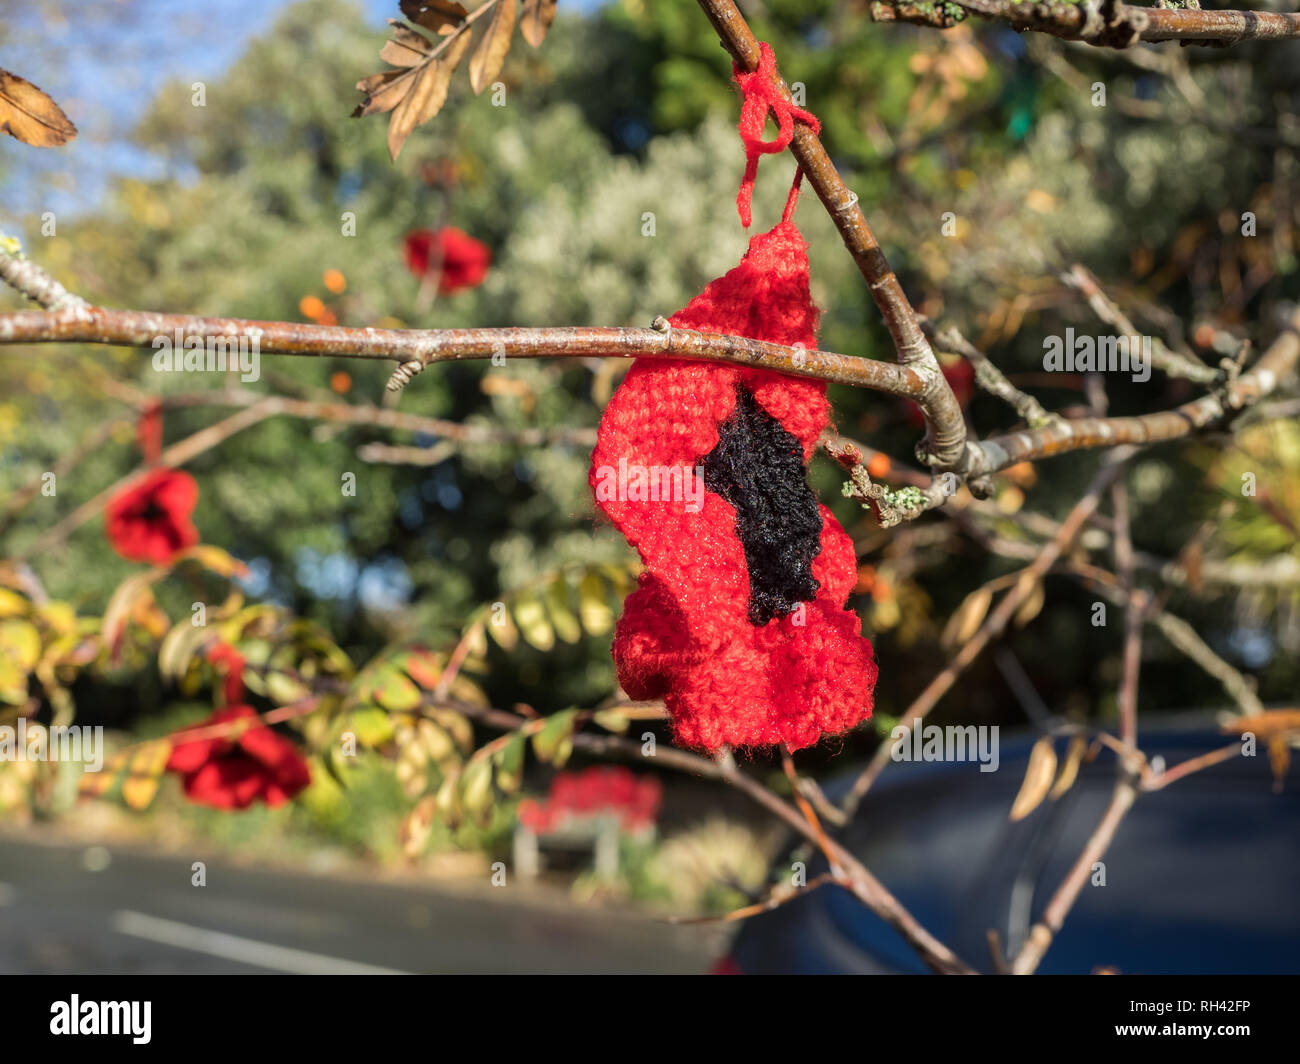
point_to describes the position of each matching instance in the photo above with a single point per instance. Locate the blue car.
(1203, 876)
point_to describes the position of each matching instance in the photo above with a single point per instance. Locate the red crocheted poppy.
(739, 621)
(149, 521)
(234, 771)
(457, 258)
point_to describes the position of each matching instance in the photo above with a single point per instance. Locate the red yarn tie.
(761, 95)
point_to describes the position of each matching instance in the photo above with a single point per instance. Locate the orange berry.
(311, 307)
(866, 579)
(1023, 474)
(879, 465)
(335, 281)
(340, 382)
(326, 317)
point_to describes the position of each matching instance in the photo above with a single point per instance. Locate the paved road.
(79, 909)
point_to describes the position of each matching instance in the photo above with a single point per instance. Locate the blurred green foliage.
(619, 127)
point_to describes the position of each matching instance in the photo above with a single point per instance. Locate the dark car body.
(1202, 877)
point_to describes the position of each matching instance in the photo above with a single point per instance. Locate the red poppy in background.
(149, 521)
(234, 771)
(598, 791)
(458, 260)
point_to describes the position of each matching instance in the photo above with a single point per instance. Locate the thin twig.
(774, 900)
(1128, 765)
(1041, 934)
(945, 427)
(1193, 764)
(993, 381)
(1163, 358)
(1133, 614)
(994, 626)
(858, 879)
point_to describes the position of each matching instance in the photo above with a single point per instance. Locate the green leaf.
(437, 743)
(476, 786)
(510, 763)
(593, 604)
(20, 642)
(611, 720)
(12, 604)
(554, 742)
(502, 629)
(457, 725)
(394, 691)
(284, 690)
(561, 611)
(371, 725)
(531, 617)
(178, 648)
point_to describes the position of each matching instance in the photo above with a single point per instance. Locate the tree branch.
(88, 324)
(135, 328)
(945, 426)
(26, 277)
(1105, 23)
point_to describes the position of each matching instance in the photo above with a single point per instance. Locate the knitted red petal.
(686, 634)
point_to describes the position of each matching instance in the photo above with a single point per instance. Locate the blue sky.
(105, 67)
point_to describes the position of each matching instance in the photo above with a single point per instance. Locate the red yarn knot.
(761, 95)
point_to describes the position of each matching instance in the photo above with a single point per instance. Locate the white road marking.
(235, 948)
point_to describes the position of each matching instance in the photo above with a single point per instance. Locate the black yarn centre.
(757, 466)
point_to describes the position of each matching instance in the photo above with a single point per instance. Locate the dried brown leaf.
(30, 115)
(427, 96)
(436, 15)
(1038, 779)
(538, 16)
(383, 91)
(492, 50)
(407, 48)
(1033, 602)
(1070, 770)
(967, 618)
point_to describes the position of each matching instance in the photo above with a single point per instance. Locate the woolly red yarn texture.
(686, 634)
(761, 96)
